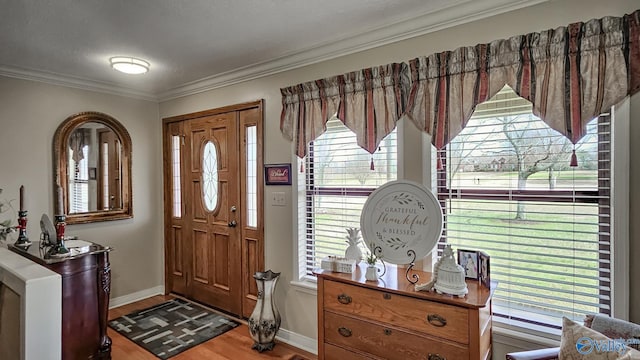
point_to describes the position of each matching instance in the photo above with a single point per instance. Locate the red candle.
(22, 198)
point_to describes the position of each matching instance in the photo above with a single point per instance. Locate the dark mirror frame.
(60, 148)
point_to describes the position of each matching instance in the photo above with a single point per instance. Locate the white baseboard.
(136, 296)
(300, 341)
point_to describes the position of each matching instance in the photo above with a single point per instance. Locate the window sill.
(305, 286)
(515, 334)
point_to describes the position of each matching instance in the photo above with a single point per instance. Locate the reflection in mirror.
(94, 169)
(93, 154)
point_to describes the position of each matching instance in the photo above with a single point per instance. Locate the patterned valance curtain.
(570, 74)
(368, 101)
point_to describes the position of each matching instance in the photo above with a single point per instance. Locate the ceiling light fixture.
(129, 65)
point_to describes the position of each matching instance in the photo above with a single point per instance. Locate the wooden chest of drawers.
(388, 319)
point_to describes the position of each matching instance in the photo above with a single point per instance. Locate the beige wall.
(30, 112)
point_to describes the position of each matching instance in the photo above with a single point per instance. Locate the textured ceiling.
(195, 42)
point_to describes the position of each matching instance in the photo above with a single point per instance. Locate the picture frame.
(277, 174)
(93, 173)
(484, 269)
(468, 259)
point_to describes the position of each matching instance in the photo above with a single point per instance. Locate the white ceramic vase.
(371, 273)
(264, 322)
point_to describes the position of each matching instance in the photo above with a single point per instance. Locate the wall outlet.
(277, 199)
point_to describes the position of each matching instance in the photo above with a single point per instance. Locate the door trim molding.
(216, 111)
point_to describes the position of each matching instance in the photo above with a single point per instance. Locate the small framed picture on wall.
(484, 269)
(277, 174)
(468, 259)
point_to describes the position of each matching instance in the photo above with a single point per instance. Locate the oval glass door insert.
(210, 176)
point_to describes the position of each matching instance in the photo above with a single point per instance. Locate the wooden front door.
(208, 254)
(212, 210)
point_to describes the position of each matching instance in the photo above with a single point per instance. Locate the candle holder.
(23, 239)
(59, 249)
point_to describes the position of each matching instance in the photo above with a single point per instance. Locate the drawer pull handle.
(387, 331)
(344, 299)
(346, 332)
(436, 357)
(386, 296)
(436, 320)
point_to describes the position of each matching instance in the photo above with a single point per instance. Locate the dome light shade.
(129, 65)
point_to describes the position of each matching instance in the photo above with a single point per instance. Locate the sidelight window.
(175, 176)
(252, 176)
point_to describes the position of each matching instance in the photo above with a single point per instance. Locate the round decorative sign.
(402, 218)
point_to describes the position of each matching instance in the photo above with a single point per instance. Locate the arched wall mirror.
(92, 160)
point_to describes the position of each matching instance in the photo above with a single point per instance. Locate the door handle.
(233, 223)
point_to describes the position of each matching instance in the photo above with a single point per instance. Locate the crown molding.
(74, 82)
(457, 14)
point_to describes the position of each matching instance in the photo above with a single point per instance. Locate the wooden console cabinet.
(388, 319)
(86, 284)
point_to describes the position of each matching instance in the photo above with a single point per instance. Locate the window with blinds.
(79, 182)
(338, 177)
(507, 188)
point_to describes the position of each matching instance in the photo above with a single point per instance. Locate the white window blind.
(507, 189)
(79, 182)
(336, 182)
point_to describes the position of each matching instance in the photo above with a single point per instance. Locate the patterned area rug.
(172, 327)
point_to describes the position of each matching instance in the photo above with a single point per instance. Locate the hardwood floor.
(232, 345)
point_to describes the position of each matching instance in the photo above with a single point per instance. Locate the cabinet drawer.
(441, 320)
(336, 353)
(386, 342)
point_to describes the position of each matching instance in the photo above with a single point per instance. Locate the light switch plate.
(277, 199)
